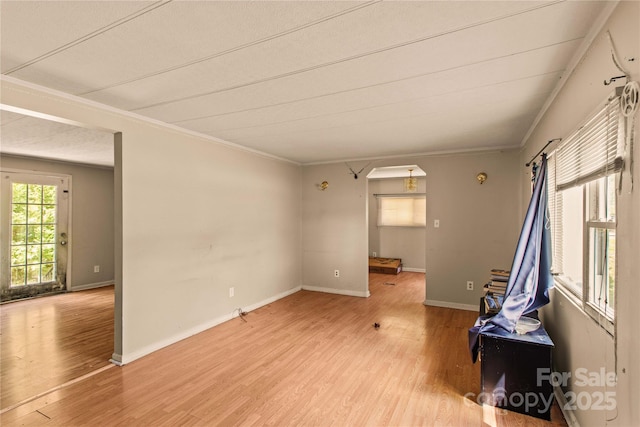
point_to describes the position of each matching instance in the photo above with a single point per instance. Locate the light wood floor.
(48, 341)
(309, 359)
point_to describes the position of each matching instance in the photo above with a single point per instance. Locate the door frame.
(118, 207)
(69, 228)
(391, 165)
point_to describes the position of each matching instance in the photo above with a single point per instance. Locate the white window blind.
(555, 214)
(592, 151)
(400, 211)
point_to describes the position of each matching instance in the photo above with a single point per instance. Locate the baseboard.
(130, 357)
(458, 306)
(414, 270)
(116, 359)
(569, 416)
(346, 292)
(267, 301)
(91, 286)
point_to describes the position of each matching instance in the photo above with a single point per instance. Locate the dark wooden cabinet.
(515, 371)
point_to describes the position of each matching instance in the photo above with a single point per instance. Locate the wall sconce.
(481, 177)
(411, 183)
(324, 185)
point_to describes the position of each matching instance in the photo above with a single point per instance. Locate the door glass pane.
(48, 234)
(48, 272)
(18, 255)
(49, 194)
(19, 214)
(33, 274)
(34, 214)
(33, 254)
(49, 214)
(33, 233)
(18, 234)
(34, 193)
(18, 193)
(48, 253)
(18, 276)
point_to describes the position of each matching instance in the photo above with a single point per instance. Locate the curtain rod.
(534, 157)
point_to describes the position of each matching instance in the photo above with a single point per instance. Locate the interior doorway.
(43, 157)
(397, 216)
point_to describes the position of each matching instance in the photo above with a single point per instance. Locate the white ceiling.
(308, 81)
(24, 135)
(403, 171)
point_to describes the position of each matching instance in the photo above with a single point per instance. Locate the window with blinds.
(594, 150)
(402, 211)
(581, 186)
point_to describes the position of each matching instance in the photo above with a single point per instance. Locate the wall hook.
(613, 79)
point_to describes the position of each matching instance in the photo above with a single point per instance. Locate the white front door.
(35, 234)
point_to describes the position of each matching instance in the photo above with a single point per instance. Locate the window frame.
(604, 318)
(580, 293)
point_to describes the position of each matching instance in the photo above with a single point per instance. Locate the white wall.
(92, 218)
(579, 341)
(406, 243)
(334, 230)
(478, 231)
(198, 217)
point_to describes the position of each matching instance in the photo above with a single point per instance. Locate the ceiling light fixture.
(411, 183)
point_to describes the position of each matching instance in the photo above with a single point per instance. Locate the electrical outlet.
(96, 269)
(374, 254)
(232, 292)
(436, 223)
(336, 273)
(469, 285)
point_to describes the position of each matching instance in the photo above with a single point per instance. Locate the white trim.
(69, 284)
(580, 306)
(346, 292)
(569, 415)
(129, 114)
(575, 60)
(456, 305)
(481, 150)
(130, 357)
(52, 160)
(34, 172)
(559, 286)
(116, 359)
(43, 116)
(414, 270)
(87, 286)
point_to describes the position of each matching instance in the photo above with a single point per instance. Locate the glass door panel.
(33, 251)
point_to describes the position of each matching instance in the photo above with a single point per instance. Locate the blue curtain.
(530, 278)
